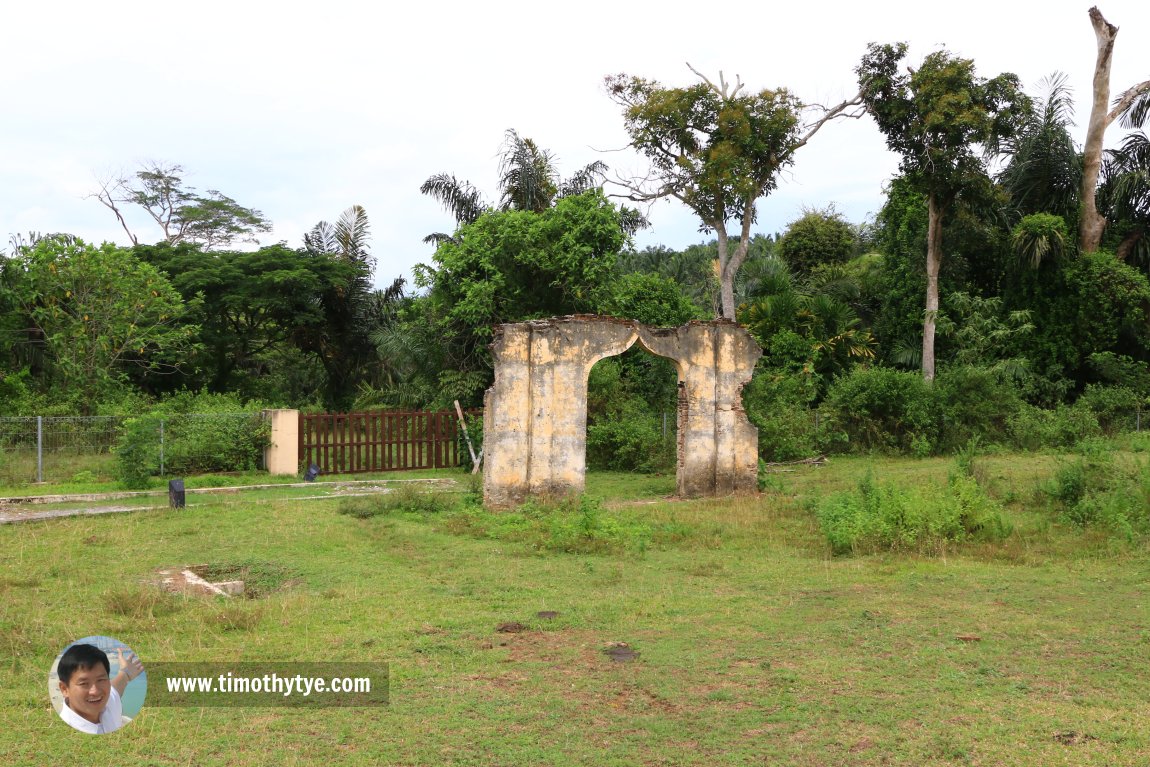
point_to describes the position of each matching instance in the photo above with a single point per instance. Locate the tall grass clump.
(878, 517)
(407, 498)
(1092, 491)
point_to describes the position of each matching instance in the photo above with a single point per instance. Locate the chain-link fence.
(81, 448)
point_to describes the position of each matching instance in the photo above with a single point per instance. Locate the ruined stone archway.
(535, 414)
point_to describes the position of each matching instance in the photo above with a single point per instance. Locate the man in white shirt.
(91, 697)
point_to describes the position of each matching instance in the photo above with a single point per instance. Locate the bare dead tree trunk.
(1091, 223)
(933, 262)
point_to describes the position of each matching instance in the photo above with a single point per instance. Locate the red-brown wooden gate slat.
(379, 440)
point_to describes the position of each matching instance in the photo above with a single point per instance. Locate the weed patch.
(140, 602)
(885, 517)
(408, 498)
(1095, 491)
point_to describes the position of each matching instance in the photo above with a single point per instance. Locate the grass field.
(754, 645)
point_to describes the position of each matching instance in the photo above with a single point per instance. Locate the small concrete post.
(282, 455)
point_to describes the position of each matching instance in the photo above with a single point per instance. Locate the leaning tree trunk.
(933, 262)
(1091, 223)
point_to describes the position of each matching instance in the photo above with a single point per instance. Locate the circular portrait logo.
(97, 684)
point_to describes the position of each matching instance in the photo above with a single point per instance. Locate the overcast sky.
(301, 110)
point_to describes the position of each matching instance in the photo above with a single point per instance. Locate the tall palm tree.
(1044, 172)
(528, 180)
(352, 311)
(1125, 194)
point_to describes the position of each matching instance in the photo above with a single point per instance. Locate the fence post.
(39, 448)
(283, 453)
(161, 447)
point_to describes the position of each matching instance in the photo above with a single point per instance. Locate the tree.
(515, 265)
(813, 310)
(818, 237)
(1037, 237)
(352, 310)
(212, 220)
(1044, 171)
(253, 308)
(1125, 194)
(1133, 106)
(528, 181)
(715, 149)
(934, 117)
(97, 311)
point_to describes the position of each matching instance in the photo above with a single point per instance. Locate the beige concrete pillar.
(282, 455)
(535, 413)
(718, 450)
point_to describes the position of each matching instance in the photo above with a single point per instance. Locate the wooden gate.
(381, 440)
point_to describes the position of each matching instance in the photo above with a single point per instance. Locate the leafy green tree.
(715, 149)
(818, 237)
(97, 312)
(695, 268)
(833, 333)
(253, 309)
(1092, 304)
(1039, 237)
(935, 117)
(352, 309)
(212, 220)
(985, 335)
(515, 265)
(649, 298)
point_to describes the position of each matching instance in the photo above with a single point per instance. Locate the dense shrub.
(204, 443)
(879, 517)
(777, 404)
(632, 442)
(625, 405)
(1033, 428)
(138, 452)
(201, 433)
(976, 403)
(1113, 406)
(1092, 491)
(881, 408)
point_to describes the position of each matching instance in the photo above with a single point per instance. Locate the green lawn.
(755, 646)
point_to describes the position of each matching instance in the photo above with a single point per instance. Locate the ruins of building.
(535, 413)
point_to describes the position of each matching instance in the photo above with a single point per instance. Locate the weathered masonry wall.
(535, 415)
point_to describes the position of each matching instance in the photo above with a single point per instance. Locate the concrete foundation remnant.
(535, 413)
